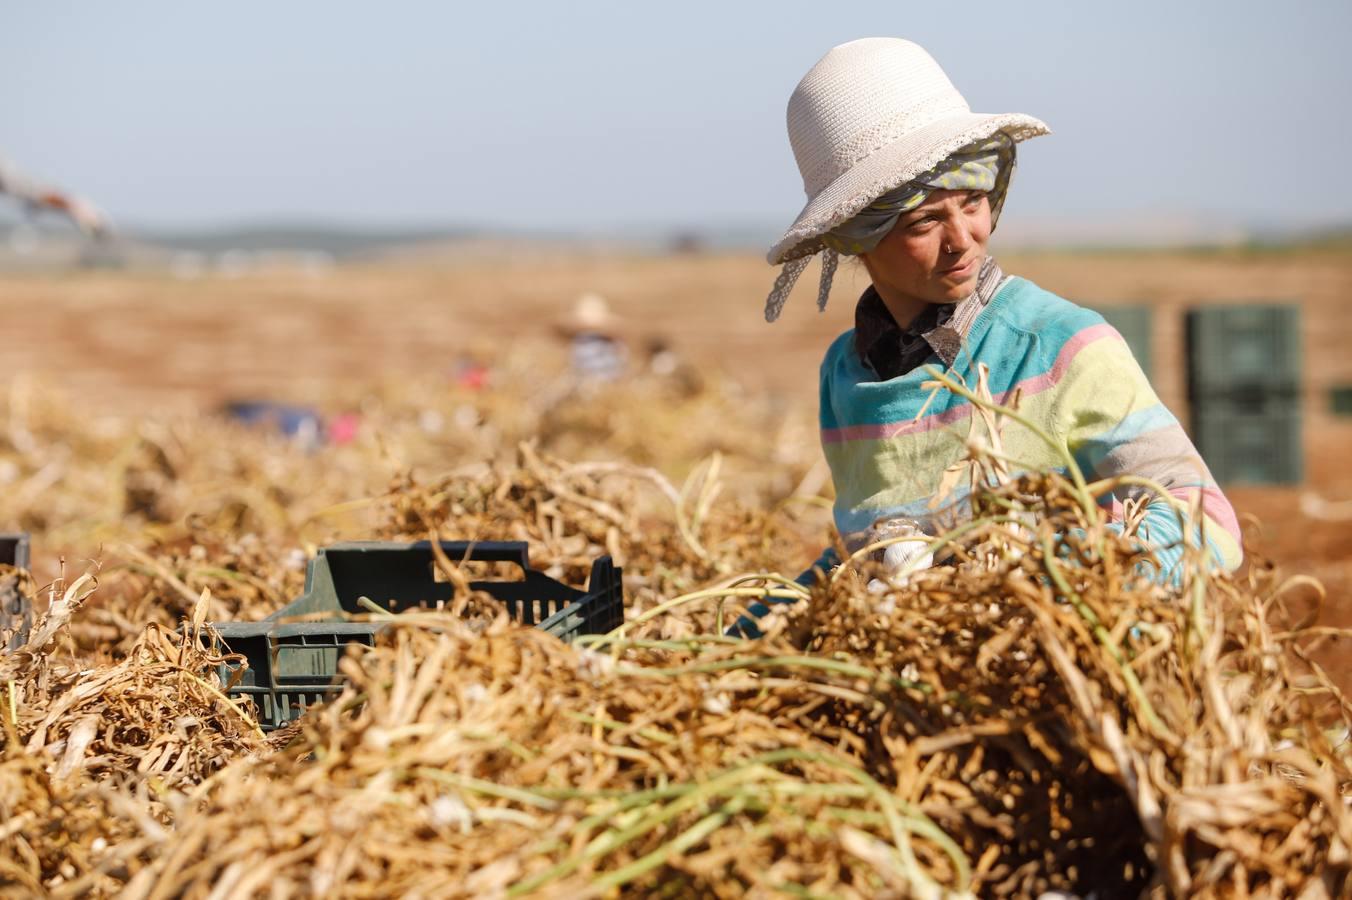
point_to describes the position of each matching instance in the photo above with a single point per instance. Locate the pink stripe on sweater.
(1069, 350)
(1215, 505)
(1032, 385)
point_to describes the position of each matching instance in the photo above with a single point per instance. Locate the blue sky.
(603, 115)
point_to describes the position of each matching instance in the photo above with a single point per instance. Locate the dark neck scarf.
(890, 350)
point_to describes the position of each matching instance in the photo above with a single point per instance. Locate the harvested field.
(1038, 716)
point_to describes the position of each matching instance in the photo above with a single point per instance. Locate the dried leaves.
(1033, 715)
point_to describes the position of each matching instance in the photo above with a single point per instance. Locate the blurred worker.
(596, 352)
(662, 359)
(670, 369)
(301, 425)
(36, 196)
(902, 176)
(472, 369)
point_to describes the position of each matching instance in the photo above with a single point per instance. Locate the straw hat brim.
(890, 166)
(592, 321)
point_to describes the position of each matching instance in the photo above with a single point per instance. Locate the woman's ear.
(866, 262)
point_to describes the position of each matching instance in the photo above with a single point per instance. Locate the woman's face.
(933, 254)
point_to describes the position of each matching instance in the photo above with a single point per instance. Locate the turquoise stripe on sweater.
(1023, 328)
(1075, 377)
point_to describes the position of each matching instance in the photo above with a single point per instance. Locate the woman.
(901, 175)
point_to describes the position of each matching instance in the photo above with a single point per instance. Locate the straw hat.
(870, 116)
(590, 314)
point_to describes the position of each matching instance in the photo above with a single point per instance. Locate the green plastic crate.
(1244, 444)
(1243, 350)
(1136, 325)
(1340, 400)
(16, 609)
(293, 665)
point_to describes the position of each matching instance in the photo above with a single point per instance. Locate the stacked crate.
(1340, 400)
(1244, 369)
(1135, 325)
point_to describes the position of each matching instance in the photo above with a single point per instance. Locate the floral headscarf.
(984, 165)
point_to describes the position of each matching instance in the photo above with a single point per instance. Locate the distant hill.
(47, 244)
(1331, 238)
(339, 242)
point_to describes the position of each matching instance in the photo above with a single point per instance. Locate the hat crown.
(862, 96)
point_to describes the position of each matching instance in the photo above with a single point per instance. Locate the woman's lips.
(961, 271)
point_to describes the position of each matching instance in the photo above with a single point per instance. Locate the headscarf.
(984, 165)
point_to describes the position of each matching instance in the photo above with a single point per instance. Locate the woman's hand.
(899, 560)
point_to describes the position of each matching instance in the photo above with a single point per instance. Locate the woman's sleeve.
(745, 626)
(1114, 424)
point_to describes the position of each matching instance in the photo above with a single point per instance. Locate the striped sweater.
(1077, 379)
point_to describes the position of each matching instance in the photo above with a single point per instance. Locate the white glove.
(902, 559)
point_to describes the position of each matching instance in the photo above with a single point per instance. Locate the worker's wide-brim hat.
(591, 314)
(870, 116)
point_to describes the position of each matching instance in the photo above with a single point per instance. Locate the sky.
(615, 115)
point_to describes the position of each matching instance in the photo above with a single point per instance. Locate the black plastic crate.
(16, 609)
(293, 665)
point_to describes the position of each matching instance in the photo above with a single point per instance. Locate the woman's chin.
(952, 293)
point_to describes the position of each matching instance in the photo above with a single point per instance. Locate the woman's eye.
(973, 198)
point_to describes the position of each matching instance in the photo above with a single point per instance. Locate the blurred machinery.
(37, 197)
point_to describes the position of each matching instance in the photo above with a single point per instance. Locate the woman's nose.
(957, 236)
